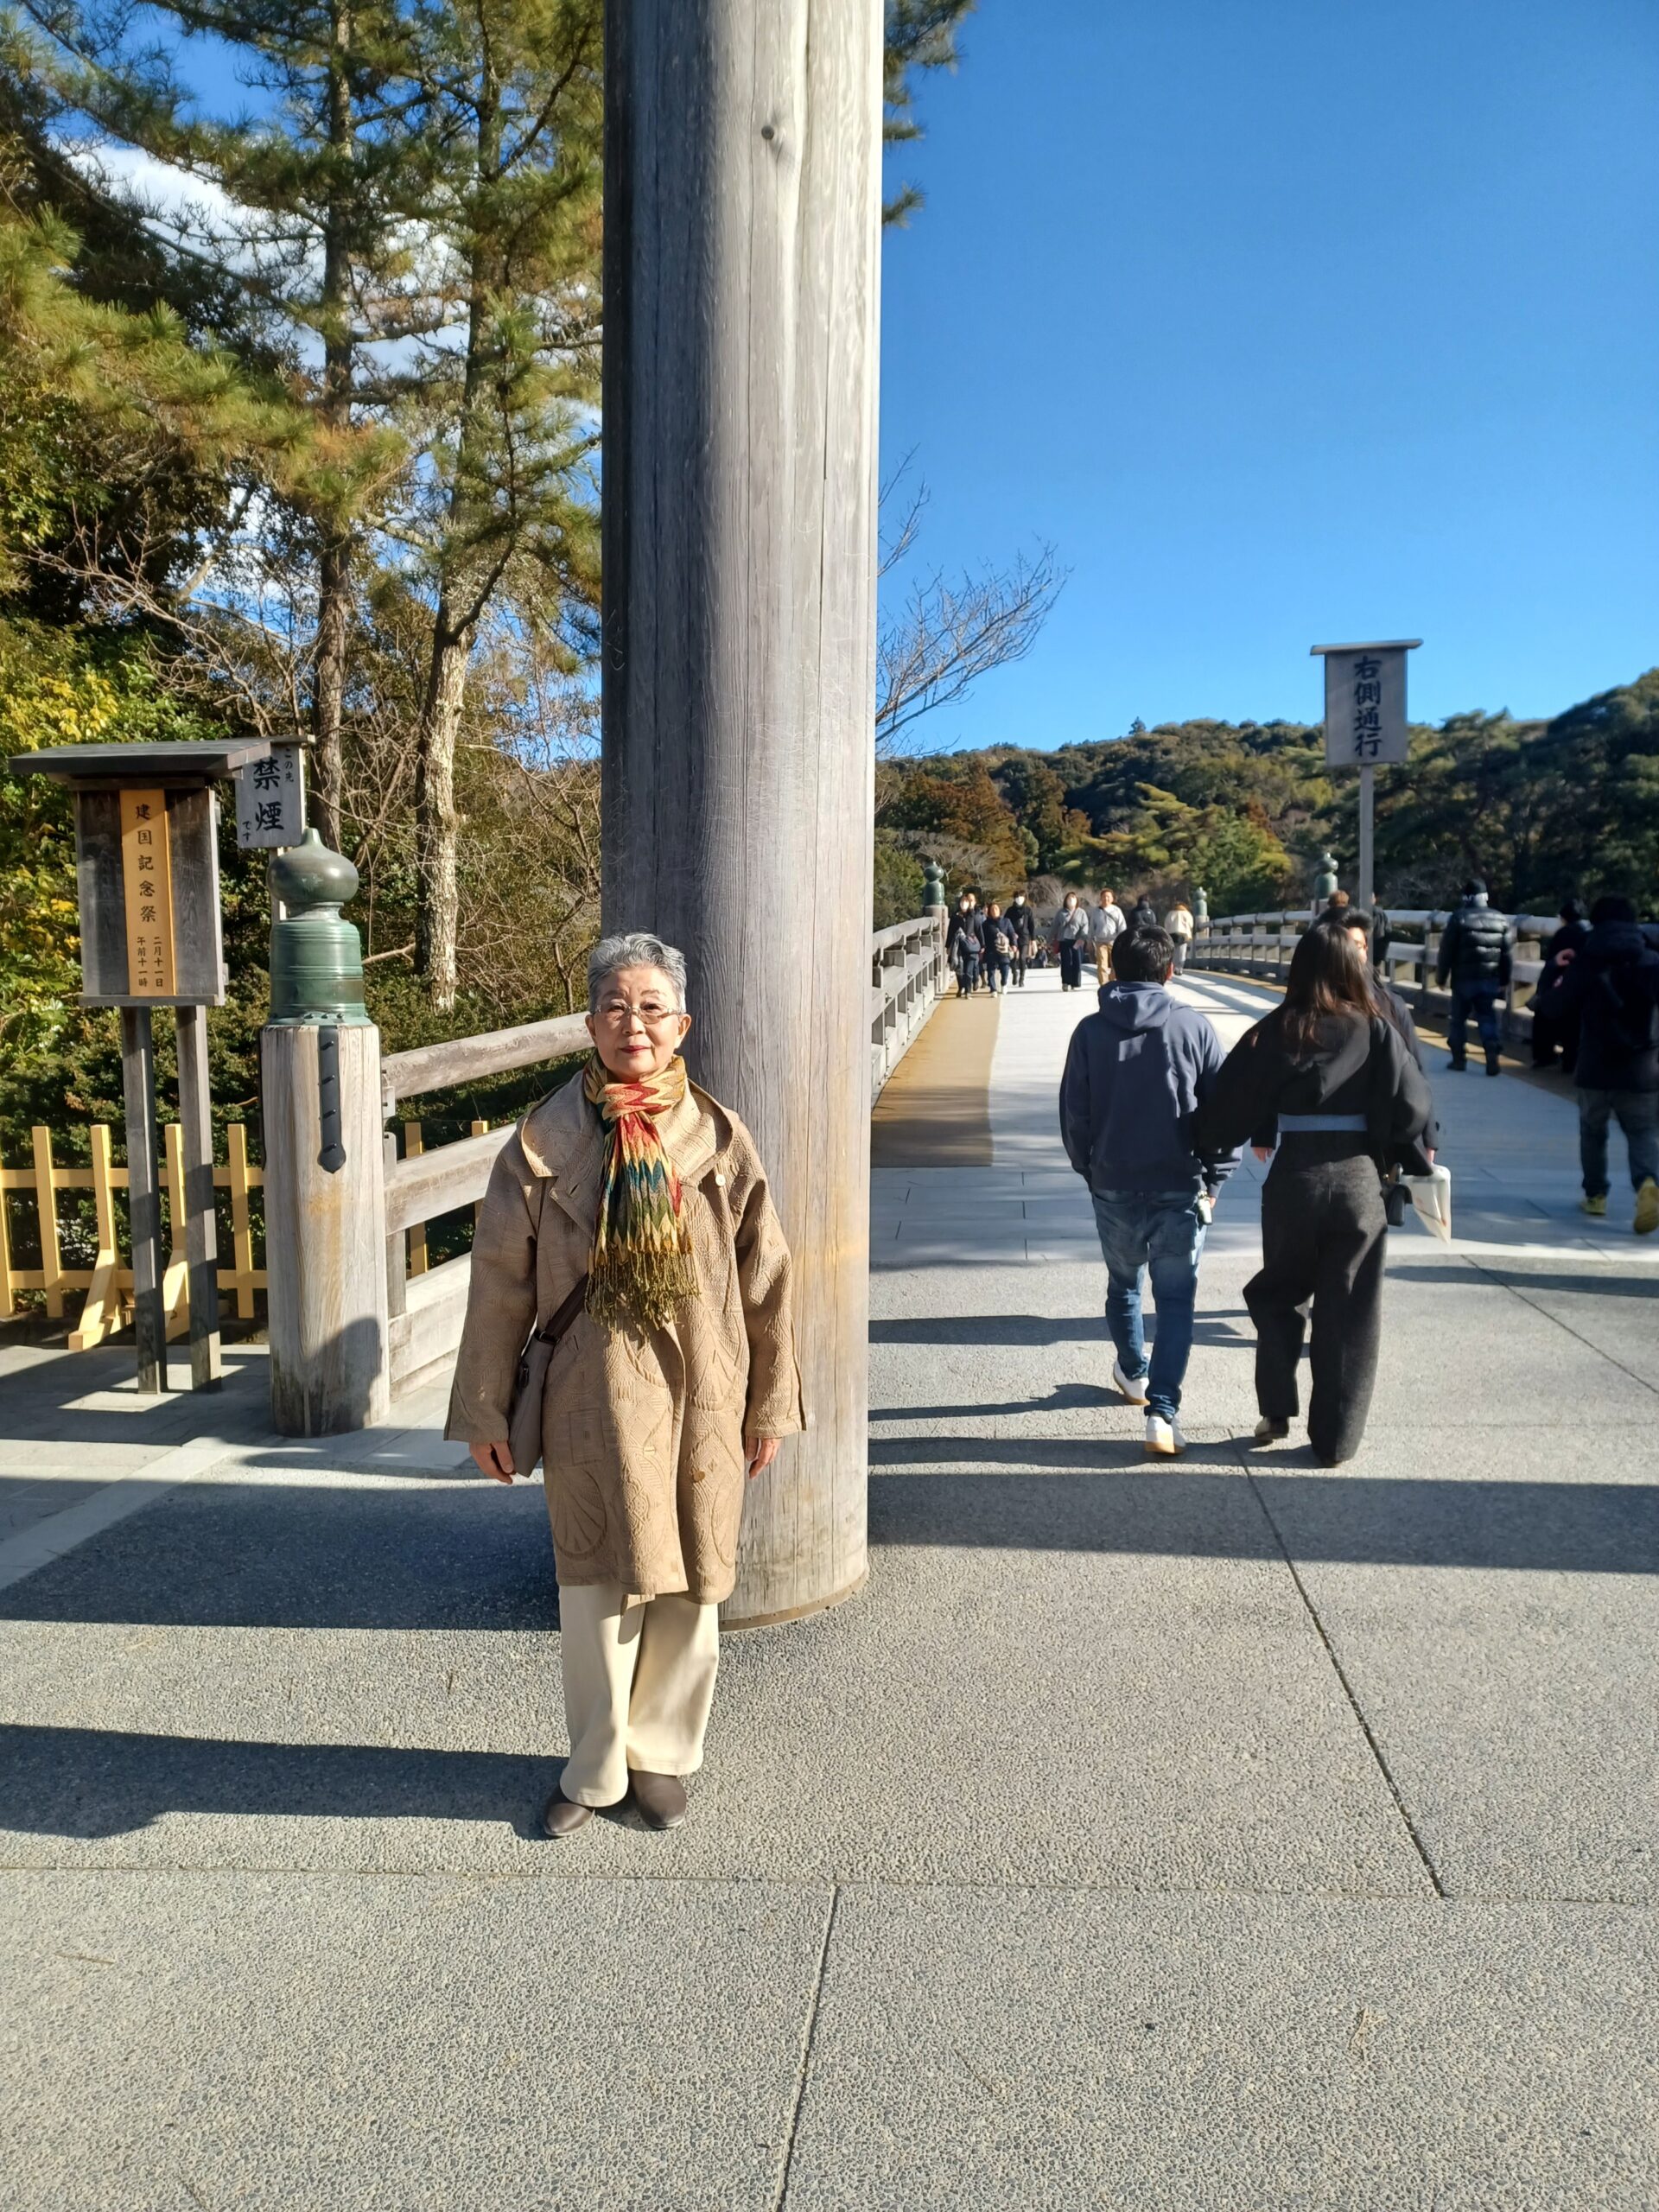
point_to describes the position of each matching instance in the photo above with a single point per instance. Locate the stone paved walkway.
(1235, 1835)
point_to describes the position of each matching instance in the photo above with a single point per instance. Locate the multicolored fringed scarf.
(642, 1264)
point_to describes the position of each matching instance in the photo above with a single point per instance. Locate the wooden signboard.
(146, 869)
(271, 800)
(147, 895)
(1365, 724)
(1365, 704)
(148, 861)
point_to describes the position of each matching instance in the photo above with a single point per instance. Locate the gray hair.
(635, 949)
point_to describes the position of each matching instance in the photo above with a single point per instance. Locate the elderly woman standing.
(676, 1376)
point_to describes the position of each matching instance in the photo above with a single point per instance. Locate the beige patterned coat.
(642, 1436)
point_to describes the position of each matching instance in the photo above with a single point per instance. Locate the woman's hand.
(1262, 1151)
(494, 1460)
(761, 1452)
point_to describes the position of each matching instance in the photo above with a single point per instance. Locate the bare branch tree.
(948, 635)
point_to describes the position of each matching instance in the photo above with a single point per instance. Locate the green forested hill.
(1539, 808)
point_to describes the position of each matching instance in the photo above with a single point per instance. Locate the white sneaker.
(1271, 1432)
(1133, 1387)
(1164, 1437)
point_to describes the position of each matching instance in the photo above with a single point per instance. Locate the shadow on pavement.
(1544, 1528)
(43, 1402)
(995, 1330)
(96, 1783)
(461, 1555)
(1596, 1281)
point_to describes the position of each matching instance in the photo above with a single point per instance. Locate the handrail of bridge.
(465, 1059)
(907, 975)
(1262, 945)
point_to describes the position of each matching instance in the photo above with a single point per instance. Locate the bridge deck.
(1237, 1834)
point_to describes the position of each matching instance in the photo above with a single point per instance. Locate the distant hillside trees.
(1540, 809)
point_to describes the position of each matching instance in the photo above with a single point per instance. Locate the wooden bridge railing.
(1262, 944)
(907, 974)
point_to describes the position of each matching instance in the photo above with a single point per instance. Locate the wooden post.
(398, 1269)
(324, 1229)
(200, 1228)
(6, 1291)
(45, 1203)
(143, 1196)
(101, 1316)
(742, 286)
(1367, 832)
(414, 1145)
(236, 1154)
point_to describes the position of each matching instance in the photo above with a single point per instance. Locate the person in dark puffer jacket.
(1611, 983)
(1476, 947)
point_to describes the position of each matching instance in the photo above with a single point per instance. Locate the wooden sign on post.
(147, 893)
(147, 867)
(1366, 724)
(271, 799)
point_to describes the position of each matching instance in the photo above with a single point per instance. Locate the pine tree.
(506, 513)
(320, 191)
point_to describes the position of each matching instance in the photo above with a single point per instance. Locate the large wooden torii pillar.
(743, 228)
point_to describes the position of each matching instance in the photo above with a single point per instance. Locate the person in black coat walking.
(1071, 935)
(995, 949)
(1476, 946)
(1553, 1032)
(1611, 983)
(963, 944)
(1021, 924)
(1329, 1079)
(1143, 915)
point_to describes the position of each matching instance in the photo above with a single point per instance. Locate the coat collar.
(561, 1140)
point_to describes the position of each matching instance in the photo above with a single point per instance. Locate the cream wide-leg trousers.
(638, 1687)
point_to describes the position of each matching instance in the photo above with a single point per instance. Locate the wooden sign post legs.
(201, 1229)
(143, 1196)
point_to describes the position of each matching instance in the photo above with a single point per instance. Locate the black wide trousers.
(1322, 1239)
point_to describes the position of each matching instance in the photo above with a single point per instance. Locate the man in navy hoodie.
(1137, 1073)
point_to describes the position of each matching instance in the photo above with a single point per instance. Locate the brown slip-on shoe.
(660, 1797)
(562, 1816)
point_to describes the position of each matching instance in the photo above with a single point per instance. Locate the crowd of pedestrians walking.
(1332, 1087)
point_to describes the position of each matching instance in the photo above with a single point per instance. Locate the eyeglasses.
(651, 1012)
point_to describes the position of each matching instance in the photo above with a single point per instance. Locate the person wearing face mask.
(628, 1217)
(1477, 948)
(1021, 925)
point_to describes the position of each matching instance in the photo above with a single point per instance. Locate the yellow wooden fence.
(107, 1284)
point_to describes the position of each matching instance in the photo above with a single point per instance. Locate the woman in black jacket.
(1559, 1031)
(1329, 1080)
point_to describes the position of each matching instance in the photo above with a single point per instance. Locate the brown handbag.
(530, 1384)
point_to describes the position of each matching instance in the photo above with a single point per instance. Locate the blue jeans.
(1638, 1113)
(1480, 999)
(1160, 1232)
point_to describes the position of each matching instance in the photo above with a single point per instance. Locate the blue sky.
(1286, 322)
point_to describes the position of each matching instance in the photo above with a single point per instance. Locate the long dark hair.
(1328, 979)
